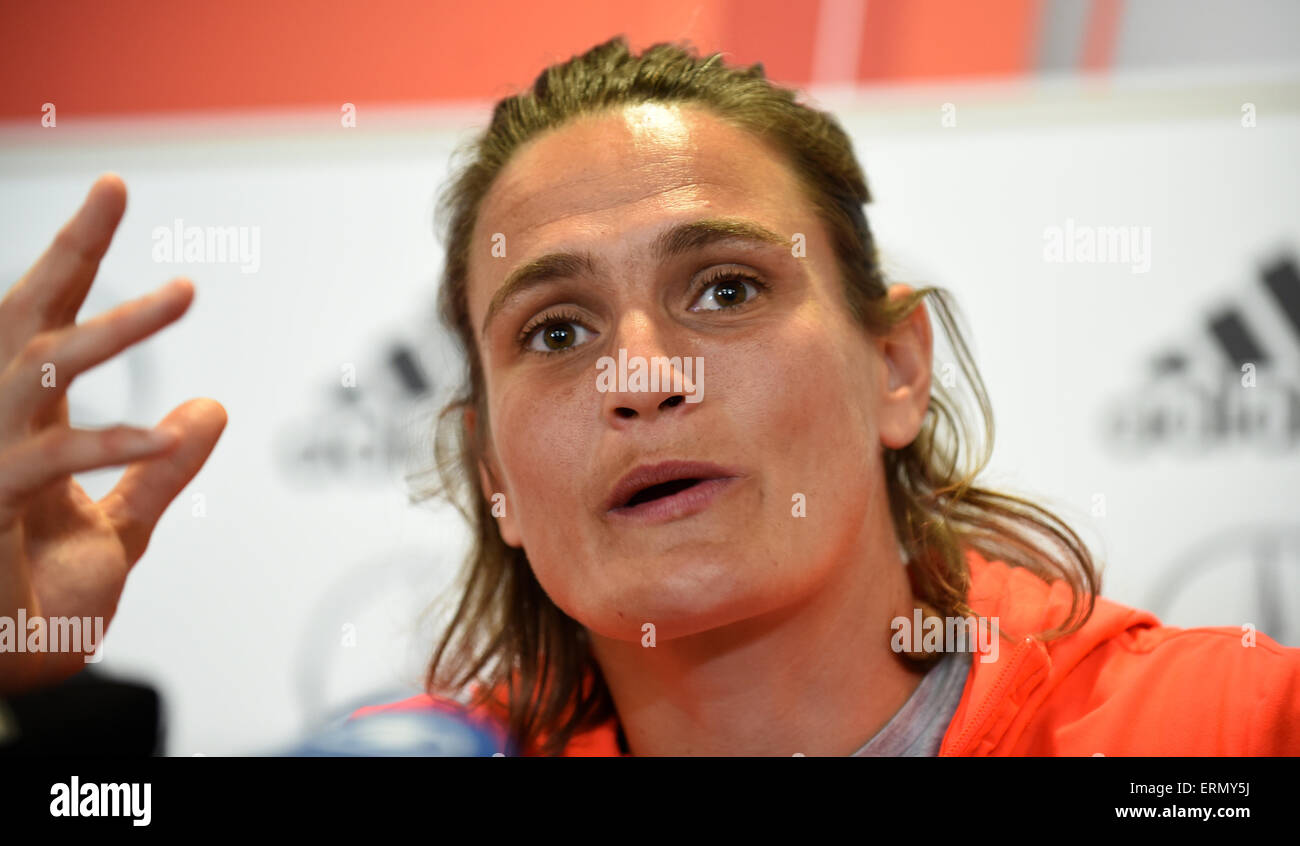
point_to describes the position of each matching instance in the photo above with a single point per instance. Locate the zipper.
(996, 694)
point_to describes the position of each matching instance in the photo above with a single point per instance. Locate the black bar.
(989, 797)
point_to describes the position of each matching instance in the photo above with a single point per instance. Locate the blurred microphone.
(87, 714)
(427, 733)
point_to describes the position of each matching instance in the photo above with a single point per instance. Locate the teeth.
(661, 490)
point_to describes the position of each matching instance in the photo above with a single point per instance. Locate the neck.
(815, 677)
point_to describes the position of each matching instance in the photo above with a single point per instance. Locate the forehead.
(623, 175)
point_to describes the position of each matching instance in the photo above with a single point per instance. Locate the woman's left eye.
(726, 292)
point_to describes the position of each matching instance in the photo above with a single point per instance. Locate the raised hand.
(63, 554)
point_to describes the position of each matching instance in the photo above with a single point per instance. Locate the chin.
(683, 599)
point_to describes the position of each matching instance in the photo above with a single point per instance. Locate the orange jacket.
(1123, 684)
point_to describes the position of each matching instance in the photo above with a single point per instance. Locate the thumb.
(147, 487)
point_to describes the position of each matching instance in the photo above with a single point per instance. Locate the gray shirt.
(917, 729)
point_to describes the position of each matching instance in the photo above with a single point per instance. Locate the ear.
(908, 355)
(498, 501)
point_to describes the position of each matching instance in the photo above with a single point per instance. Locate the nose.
(649, 375)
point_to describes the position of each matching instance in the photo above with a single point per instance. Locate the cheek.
(542, 443)
(803, 406)
(545, 435)
(805, 393)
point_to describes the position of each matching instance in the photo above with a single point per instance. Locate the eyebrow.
(677, 241)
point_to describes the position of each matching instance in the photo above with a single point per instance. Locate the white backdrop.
(239, 610)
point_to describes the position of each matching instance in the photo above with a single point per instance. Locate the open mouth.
(669, 490)
(660, 491)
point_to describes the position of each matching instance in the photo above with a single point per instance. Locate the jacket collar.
(1018, 602)
(1002, 697)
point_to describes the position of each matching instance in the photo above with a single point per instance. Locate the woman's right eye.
(556, 335)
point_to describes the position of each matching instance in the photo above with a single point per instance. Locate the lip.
(714, 479)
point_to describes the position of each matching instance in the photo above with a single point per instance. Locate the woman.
(729, 559)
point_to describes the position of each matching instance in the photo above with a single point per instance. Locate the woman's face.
(791, 405)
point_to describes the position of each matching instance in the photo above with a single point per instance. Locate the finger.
(41, 373)
(54, 414)
(28, 467)
(52, 291)
(147, 487)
